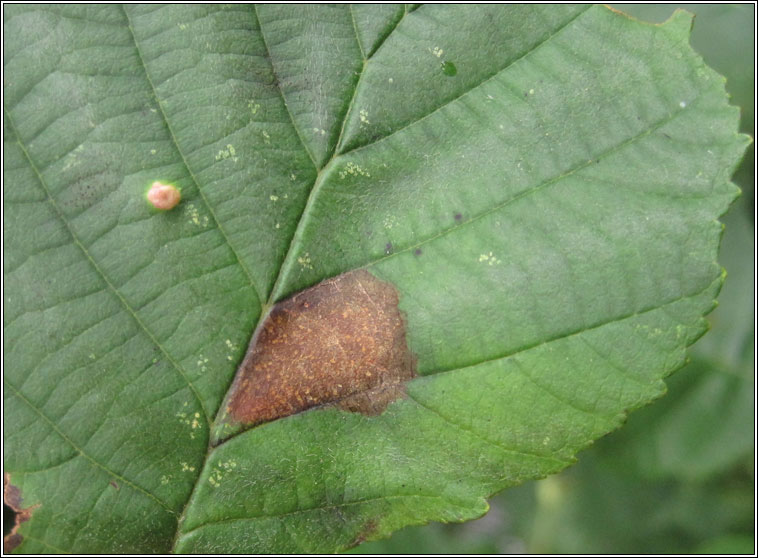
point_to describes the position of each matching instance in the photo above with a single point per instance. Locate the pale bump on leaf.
(164, 196)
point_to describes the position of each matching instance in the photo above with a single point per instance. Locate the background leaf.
(552, 237)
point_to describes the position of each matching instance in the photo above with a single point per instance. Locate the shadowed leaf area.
(458, 244)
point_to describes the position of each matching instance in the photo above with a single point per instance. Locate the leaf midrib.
(322, 173)
(288, 260)
(301, 219)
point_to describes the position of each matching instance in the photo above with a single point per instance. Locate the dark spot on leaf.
(388, 248)
(12, 499)
(9, 518)
(449, 69)
(458, 216)
(417, 251)
(114, 484)
(88, 190)
(341, 342)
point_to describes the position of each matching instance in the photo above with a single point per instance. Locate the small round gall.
(164, 196)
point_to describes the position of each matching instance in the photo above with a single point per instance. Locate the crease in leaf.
(341, 342)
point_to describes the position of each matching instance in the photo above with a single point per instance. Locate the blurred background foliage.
(679, 476)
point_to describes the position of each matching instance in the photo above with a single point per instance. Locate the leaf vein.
(484, 439)
(533, 189)
(81, 452)
(185, 162)
(44, 469)
(355, 30)
(572, 333)
(47, 544)
(473, 88)
(279, 88)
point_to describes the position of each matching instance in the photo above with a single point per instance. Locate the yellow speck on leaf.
(229, 153)
(351, 169)
(194, 216)
(489, 259)
(305, 261)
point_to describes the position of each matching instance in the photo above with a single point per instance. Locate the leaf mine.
(341, 342)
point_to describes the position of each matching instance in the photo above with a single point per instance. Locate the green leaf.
(546, 212)
(704, 425)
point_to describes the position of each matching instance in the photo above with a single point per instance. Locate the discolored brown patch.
(368, 529)
(341, 342)
(12, 499)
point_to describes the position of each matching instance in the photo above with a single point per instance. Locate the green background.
(679, 477)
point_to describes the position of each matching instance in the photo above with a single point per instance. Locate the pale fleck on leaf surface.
(547, 213)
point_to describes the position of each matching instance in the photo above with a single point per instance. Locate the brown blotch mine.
(368, 529)
(341, 342)
(12, 499)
